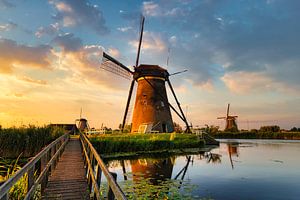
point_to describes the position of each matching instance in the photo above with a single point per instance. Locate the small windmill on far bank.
(82, 123)
(231, 124)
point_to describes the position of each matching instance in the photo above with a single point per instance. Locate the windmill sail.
(112, 65)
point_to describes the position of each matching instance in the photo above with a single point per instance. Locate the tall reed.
(26, 140)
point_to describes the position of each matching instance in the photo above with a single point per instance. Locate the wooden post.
(98, 176)
(52, 152)
(43, 165)
(43, 162)
(111, 195)
(30, 174)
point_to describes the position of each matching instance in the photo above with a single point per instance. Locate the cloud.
(8, 26)
(47, 30)
(255, 82)
(114, 52)
(245, 82)
(80, 13)
(151, 41)
(31, 80)
(68, 42)
(7, 4)
(151, 9)
(83, 66)
(30, 56)
(162, 9)
(124, 29)
(215, 39)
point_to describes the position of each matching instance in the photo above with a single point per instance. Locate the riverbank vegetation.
(264, 132)
(26, 141)
(116, 143)
(257, 135)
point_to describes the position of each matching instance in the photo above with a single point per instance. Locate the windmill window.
(144, 102)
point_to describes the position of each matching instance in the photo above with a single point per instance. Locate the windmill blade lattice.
(114, 68)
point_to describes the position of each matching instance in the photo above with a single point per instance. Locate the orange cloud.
(245, 82)
(30, 80)
(114, 52)
(15, 54)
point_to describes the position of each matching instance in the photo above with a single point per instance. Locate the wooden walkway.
(68, 180)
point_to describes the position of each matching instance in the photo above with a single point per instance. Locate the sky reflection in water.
(238, 169)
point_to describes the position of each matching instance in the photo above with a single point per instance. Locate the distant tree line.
(295, 129)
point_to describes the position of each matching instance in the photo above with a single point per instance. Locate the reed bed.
(119, 143)
(27, 141)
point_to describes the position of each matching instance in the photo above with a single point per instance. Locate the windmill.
(151, 111)
(230, 121)
(82, 123)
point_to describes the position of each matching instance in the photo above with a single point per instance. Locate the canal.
(238, 169)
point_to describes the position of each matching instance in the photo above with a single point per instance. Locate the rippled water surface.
(238, 169)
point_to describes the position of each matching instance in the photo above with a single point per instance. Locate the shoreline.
(258, 135)
(158, 153)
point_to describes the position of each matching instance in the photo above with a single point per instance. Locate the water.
(238, 169)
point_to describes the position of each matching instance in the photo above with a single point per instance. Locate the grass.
(7, 170)
(258, 135)
(115, 143)
(27, 141)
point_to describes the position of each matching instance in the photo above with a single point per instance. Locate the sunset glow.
(245, 53)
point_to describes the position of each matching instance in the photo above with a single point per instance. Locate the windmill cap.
(150, 70)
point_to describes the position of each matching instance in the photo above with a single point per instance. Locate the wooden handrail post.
(111, 195)
(98, 175)
(30, 175)
(43, 162)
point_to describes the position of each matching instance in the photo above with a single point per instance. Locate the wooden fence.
(94, 167)
(37, 169)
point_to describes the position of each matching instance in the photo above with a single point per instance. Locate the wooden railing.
(37, 169)
(94, 167)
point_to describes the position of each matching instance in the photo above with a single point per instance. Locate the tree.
(294, 129)
(273, 128)
(211, 129)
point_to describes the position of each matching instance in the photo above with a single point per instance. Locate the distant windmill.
(82, 123)
(152, 108)
(230, 121)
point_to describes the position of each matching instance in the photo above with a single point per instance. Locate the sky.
(243, 52)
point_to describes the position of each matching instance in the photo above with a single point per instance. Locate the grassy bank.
(116, 143)
(258, 135)
(27, 141)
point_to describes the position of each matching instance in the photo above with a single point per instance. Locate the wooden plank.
(68, 180)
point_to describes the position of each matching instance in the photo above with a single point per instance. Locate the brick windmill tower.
(152, 110)
(230, 121)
